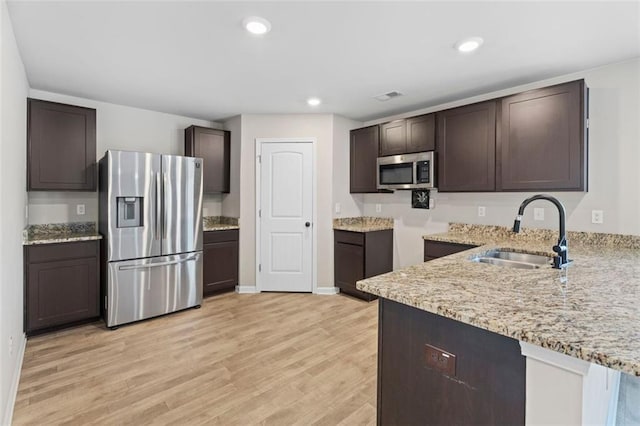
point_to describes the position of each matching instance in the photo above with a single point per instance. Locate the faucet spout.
(561, 248)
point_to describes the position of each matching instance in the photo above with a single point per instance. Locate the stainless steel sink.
(512, 259)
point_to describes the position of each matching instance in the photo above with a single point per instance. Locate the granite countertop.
(52, 233)
(220, 223)
(589, 310)
(363, 224)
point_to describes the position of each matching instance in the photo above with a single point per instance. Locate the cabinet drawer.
(221, 236)
(435, 249)
(61, 251)
(349, 237)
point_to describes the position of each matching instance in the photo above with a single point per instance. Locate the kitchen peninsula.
(569, 324)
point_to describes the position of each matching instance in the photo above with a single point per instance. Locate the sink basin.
(511, 259)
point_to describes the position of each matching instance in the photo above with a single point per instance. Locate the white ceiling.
(195, 59)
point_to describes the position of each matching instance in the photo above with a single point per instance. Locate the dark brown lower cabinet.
(220, 270)
(436, 249)
(61, 285)
(360, 255)
(484, 384)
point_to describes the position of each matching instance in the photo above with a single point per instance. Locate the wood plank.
(268, 358)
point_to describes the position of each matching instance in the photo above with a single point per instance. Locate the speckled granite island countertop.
(590, 310)
(220, 223)
(363, 224)
(52, 233)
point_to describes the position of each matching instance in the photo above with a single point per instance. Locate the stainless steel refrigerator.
(150, 217)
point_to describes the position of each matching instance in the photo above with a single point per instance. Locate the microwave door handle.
(415, 172)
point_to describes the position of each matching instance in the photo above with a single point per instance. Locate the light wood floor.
(241, 359)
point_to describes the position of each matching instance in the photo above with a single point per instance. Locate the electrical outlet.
(337, 208)
(80, 209)
(597, 216)
(10, 345)
(378, 208)
(482, 211)
(432, 203)
(26, 211)
(538, 213)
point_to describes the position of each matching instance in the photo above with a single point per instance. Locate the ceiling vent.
(388, 95)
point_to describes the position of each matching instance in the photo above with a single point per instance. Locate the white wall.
(614, 172)
(350, 204)
(13, 123)
(117, 127)
(318, 126)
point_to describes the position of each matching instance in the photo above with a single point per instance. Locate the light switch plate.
(538, 213)
(337, 208)
(80, 209)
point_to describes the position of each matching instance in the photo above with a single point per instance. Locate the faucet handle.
(560, 248)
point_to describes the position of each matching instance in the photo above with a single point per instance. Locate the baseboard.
(246, 289)
(15, 381)
(327, 291)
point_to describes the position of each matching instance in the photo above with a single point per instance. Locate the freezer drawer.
(145, 288)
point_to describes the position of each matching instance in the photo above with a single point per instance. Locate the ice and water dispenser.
(129, 212)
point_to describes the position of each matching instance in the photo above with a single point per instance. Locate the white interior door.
(285, 217)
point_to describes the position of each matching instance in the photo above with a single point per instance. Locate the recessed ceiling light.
(314, 101)
(256, 25)
(469, 44)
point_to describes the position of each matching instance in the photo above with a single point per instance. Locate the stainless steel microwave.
(407, 171)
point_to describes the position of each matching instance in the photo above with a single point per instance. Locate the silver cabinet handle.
(153, 265)
(158, 206)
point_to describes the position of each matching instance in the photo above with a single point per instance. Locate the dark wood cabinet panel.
(486, 386)
(61, 285)
(421, 133)
(220, 270)
(466, 144)
(61, 147)
(436, 249)
(363, 160)
(214, 147)
(542, 141)
(360, 255)
(393, 138)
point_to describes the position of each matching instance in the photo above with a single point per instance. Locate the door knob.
(307, 224)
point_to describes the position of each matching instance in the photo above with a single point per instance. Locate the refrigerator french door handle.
(164, 215)
(158, 206)
(153, 265)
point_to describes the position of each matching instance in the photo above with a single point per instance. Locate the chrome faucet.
(561, 248)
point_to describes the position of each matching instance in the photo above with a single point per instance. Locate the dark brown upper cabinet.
(393, 138)
(542, 139)
(214, 147)
(415, 134)
(363, 160)
(466, 145)
(61, 147)
(421, 133)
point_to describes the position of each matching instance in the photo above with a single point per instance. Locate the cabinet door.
(61, 292)
(542, 140)
(61, 147)
(213, 146)
(421, 133)
(393, 138)
(349, 265)
(220, 270)
(363, 160)
(466, 148)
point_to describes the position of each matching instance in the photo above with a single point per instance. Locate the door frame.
(314, 229)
